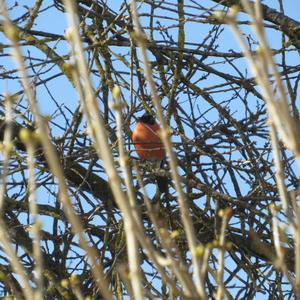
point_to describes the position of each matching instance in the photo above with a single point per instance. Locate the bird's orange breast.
(147, 142)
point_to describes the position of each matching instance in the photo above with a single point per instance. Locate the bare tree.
(81, 215)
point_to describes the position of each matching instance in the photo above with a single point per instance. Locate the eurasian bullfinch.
(148, 144)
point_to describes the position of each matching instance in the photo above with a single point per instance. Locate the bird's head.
(147, 119)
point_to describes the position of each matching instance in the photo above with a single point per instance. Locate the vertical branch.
(132, 244)
(165, 134)
(297, 261)
(225, 215)
(54, 163)
(97, 131)
(16, 265)
(4, 236)
(6, 149)
(278, 106)
(29, 141)
(280, 262)
(279, 171)
(280, 118)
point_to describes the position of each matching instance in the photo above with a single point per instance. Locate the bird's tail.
(162, 183)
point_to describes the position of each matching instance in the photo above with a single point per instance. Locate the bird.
(149, 146)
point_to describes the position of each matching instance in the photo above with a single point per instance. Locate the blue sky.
(65, 95)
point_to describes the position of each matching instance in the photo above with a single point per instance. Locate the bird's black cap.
(147, 119)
